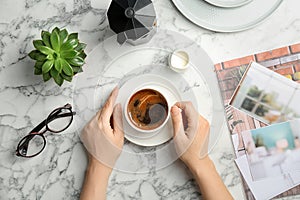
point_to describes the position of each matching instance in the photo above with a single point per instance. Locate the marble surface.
(121, 66)
(24, 99)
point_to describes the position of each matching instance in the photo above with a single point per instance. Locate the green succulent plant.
(59, 55)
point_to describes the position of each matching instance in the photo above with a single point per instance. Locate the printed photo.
(267, 96)
(273, 150)
(230, 73)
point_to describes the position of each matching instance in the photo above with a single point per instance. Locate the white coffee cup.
(152, 110)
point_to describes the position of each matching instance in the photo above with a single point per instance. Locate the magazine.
(284, 61)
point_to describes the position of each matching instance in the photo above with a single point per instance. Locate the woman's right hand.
(191, 133)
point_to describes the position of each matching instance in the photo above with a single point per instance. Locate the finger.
(118, 120)
(189, 111)
(177, 121)
(187, 106)
(108, 107)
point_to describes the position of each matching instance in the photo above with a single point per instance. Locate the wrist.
(199, 166)
(95, 166)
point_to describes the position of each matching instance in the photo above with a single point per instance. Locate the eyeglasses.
(34, 143)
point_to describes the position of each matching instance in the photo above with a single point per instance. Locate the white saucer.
(228, 3)
(221, 19)
(172, 95)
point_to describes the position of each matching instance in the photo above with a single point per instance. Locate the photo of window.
(273, 150)
(266, 95)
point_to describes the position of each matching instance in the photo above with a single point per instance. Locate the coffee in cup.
(147, 110)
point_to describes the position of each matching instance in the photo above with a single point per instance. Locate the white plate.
(172, 95)
(228, 3)
(226, 19)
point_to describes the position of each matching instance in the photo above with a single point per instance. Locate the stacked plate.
(227, 15)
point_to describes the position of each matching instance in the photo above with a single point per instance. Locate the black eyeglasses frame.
(55, 114)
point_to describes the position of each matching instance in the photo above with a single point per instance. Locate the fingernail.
(118, 107)
(114, 91)
(115, 88)
(175, 110)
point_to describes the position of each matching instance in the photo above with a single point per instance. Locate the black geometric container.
(133, 20)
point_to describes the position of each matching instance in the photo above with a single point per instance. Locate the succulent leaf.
(50, 57)
(80, 47)
(54, 72)
(58, 65)
(46, 38)
(77, 61)
(66, 67)
(39, 64)
(38, 71)
(82, 55)
(46, 76)
(69, 45)
(38, 43)
(68, 54)
(55, 40)
(67, 78)
(77, 69)
(80, 70)
(73, 36)
(56, 29)
(58, 80)
(45, 50)
(47, 66)
(37, 55)
(32, 54)
(63, 34)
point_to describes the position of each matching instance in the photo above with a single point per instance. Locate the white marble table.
(24, 99)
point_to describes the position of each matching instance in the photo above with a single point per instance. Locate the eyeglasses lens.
(61, 121)
(34, 143)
